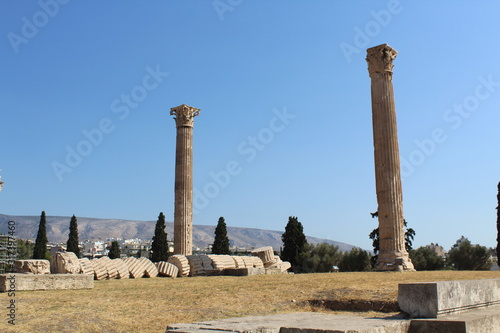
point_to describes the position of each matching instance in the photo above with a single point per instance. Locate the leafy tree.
(114, 251)
(72, 244)
(409, 236)
(374, 236)
(466, 256)
(424, 259)
(357, 260)
(221, 242)
(294, 243)
(24, 249)
(498, 225)
(319, 258)
(40, 249)
(159, 247)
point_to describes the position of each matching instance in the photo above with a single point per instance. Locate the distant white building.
(94, 249)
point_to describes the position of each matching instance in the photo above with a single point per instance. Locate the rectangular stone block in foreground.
(434, 299)
(486, 320)
(45, 281)
(295, 323)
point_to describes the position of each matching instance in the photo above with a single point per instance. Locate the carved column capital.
(379, 59)
(184, 115)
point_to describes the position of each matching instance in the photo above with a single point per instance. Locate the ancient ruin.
(392, 254)
(65, 263)
(167, 269)
(32, 266)
(183, 211)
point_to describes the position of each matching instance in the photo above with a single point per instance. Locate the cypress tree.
(114, 251)
(159, 247)
(72, 244)
(40, 250)
(498, 225)
(221, 242)
(294, 243)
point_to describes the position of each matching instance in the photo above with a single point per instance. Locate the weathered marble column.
(392, 254)
(183, 211)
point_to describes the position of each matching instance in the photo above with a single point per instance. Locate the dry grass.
(149, 305)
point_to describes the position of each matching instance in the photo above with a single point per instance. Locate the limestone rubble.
(65, 263)
(32, 266)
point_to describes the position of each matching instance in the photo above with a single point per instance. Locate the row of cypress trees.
(159, 247)
(40, 249)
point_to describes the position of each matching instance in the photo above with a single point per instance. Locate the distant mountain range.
(100, 229)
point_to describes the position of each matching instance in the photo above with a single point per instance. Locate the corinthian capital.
(379, 59)
(184, 115)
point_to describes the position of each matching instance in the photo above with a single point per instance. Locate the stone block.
(266, 254)
(485, 320)
(247, 271)
(121, 269)
(214, 272)
(252, 262)
(65, 263)
(135, 267)
(100, 272)
(32, 266)
(150, 269)
(285, 266)
(110, 267)
(434, 299)
(45, 281)
(275, 263)
(295, 323)
(238, 262)
(257, 262)
(86, 266)
(167, 269)
(182, 264)
(220, 261)
(195, 265)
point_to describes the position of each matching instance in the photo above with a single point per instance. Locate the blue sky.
(285, 122)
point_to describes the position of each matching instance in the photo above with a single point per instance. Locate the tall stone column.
(183, 211)
(392, 254)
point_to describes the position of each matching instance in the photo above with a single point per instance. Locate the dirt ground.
(149, 305)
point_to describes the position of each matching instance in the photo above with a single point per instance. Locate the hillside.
(93, 228)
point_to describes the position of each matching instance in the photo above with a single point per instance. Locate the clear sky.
(285, 125)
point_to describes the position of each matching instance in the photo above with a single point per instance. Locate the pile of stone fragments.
(262, 261)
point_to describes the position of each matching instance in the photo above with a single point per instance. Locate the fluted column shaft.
(183, 211)
(392, 252)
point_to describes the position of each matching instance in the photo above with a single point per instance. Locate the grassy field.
(149, 305)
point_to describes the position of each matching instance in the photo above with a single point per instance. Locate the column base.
(398, 264)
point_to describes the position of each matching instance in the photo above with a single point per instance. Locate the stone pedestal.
(392, 254)
(183, 213)
(435, 299)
